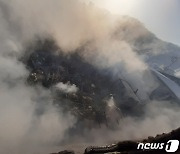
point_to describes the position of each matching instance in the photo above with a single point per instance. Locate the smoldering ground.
(28, 120)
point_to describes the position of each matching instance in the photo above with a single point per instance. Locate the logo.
(170, 146)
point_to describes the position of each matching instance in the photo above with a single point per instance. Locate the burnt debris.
(130, 147)
(48, 66)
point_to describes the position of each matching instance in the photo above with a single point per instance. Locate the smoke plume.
(29, 122)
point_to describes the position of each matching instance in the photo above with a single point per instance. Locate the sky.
(162, 17)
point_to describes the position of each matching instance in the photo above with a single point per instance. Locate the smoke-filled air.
(72, 73)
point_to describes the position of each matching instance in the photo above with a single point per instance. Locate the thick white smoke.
(66, 88)
(27, 117)
(28, 120)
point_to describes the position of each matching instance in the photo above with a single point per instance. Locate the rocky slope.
(96, 91)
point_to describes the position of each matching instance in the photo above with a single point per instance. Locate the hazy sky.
(162, 17)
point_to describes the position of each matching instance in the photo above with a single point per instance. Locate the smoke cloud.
(29, 122)
(67, 88)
